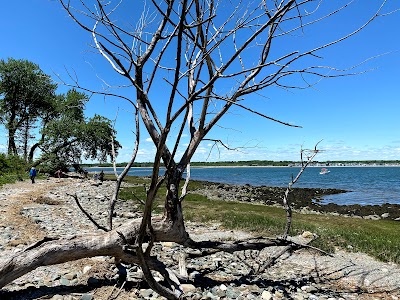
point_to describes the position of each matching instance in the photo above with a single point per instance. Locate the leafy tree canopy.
(70, 136)
(28, 100)
(25, 93)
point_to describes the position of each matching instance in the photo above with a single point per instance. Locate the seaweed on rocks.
(301, 199)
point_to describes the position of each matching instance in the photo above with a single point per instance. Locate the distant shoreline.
(294, 166)
(263, 163)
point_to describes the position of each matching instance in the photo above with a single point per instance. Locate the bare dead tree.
(306, 157)
(206, 56)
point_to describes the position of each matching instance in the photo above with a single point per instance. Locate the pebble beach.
(30, 212)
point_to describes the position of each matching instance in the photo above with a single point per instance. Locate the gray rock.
(278, 295)
(186, 288)
(64, 281)
(218, 292)
(194, 274)
(86, 297)
(223, 287)
(211, 296)
(266, 295)
(70, 276)
(372, 217)
(231, 293)
(300, 296)
(309, 288)
(146, 293)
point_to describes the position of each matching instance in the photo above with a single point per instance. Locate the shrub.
(12, 168)
(10, 164)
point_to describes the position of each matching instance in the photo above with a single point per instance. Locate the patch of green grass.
(11, 178)
(139, 180)
(137, 193)
(141, 184)
(379, 239)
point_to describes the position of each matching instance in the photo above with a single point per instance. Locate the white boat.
(324, 171)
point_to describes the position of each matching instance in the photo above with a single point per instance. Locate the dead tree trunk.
(114, 243)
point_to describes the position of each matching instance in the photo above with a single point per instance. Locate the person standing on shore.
(101, 176)
(58, 173)
(32, 174)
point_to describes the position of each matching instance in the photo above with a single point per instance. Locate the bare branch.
(310, 154)
(87, 214)
(124, 172)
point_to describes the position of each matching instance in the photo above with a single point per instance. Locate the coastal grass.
(378, 238)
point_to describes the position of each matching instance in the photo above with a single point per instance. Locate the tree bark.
(12, 148)
(32, 152)
(113, 243)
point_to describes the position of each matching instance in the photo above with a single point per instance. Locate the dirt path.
(18, 230)
(14, 197)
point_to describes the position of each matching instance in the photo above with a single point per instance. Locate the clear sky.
(357, 117)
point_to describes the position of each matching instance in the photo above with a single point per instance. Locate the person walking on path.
(101, 176)
(32, 174)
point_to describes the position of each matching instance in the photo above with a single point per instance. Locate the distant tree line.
(366, 162)
(45, 128)
(260, 163)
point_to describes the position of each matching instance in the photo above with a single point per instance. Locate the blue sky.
(356, 117)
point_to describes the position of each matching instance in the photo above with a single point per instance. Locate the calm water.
(368, 185)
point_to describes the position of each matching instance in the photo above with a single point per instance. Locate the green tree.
(25, 93)
(66, 135)
(28, 101)
(54, 111)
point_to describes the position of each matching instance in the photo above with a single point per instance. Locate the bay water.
(366, 185)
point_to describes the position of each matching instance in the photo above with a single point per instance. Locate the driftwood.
(50, 251)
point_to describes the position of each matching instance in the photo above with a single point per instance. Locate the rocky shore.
(304, 200)
(30, 212)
